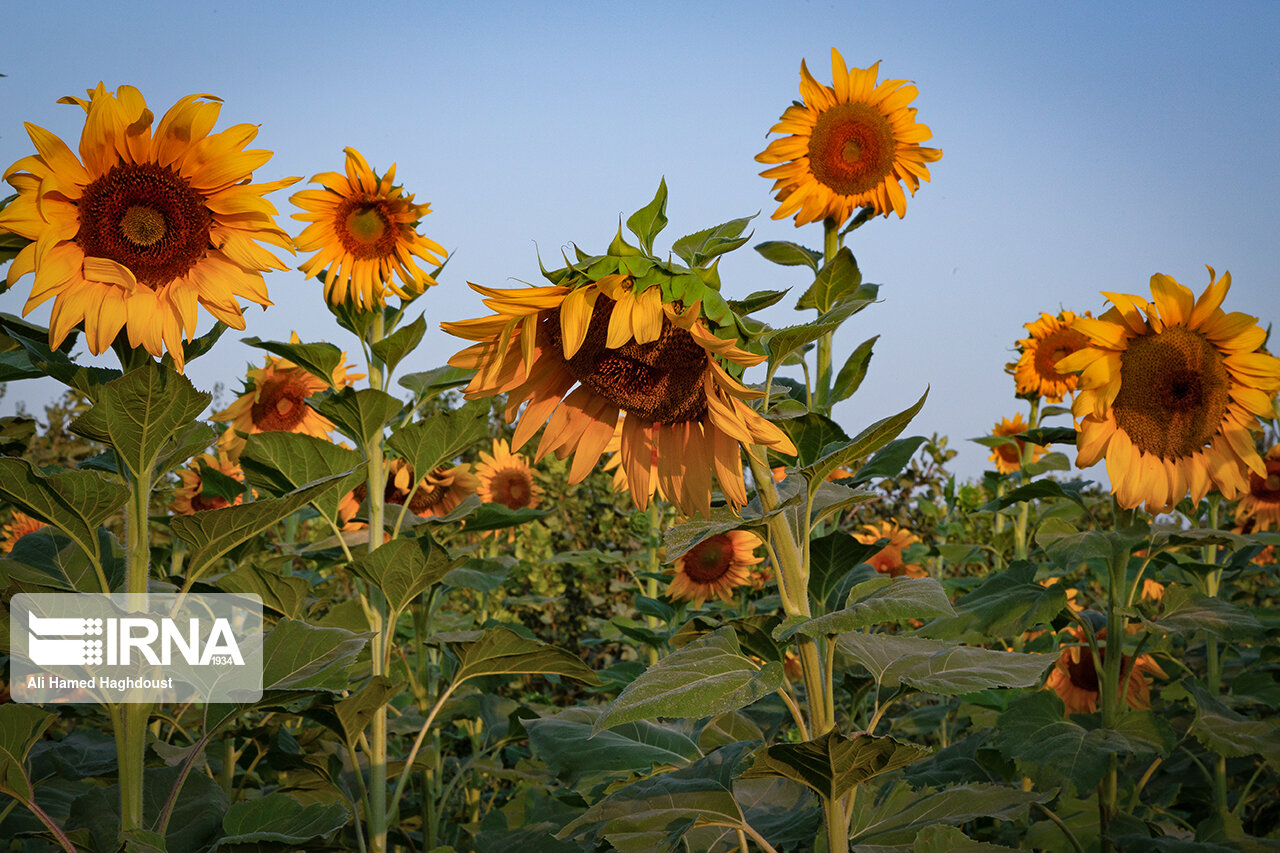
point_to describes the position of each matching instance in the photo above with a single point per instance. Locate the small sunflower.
(19, 525)
(1071, 592)
(506, 478)
(363, 232)
(621, 354)
(274, 400)
(715, 567)
(437, 494)
(1008, 457)
(1170, 393)
(1260, 508)
(189, 498)
(148, 227)
(1075, 679)
(888, 560)
(1036, 370)
(852, 144)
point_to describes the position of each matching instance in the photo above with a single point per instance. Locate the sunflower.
(629, 354)
(148, 227)
(1260, 508)
(1008, 457)
(363, 232)
(19, 525)
(437, 494)
(1075, 679)
(1036, 371)
(888, 560)
(274, 400)
(1170, 392)
(506, 478)
(190, 498)
(715, 567)
(852, 144)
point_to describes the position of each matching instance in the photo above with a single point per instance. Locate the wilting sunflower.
(148, 227)
(888, 560)
(624, 352)
(1008, 457)
(1036, 370)
(363, 230)
(506, 478)
(852, 144)
(715, 567)
(190, 497)
(1075, 679)
(1260, 508)
(274, 400)
(19, 525)
(1170, 392)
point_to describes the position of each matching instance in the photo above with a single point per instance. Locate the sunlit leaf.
(359, 414)
(701, 246)
(837, 282)
(1184, 611)
(437, 440)
(854, 370)
(864, 444)
(895, 601)
(501, 651)
(648, 221)
(276, 463)
(947, 669)
(355, 711)
(392, 349)
(1006, 604)
(76, 502)
(319, 359)
(789, 254)
(404, 568)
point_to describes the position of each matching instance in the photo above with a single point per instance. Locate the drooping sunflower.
(715, 567)
(19, 525)
(436, 494)
(1008, 457)
(1075, 678)
(1170, 391)
(190, 497)
(617, 349)
(363, 230)
(506, 478)
(150, 226)
(852, 144)
(1260, 508)
(274, 400)
(889, 560)
(1036, 370)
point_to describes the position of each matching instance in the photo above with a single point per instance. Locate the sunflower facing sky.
(715, 567)
(363, 231)
(145, 226)
(274, 399)
(582, 357)
(851, 144)
(1008, 457)
(1036, 371)
(506, 478)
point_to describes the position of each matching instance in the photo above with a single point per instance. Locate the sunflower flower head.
(146, 226)
(197, 492)
(889, 559)
(1260, 508)
(275, 400)
(853, 144)
(1170, 394)
(19, 525)
(1074, 676)
(715, 567)
(626, 338)
(363, 229)
(1036, 370)
(1008, 455)
(437, 494)
(506, 478)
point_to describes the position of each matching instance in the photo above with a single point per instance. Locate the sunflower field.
(611, 576)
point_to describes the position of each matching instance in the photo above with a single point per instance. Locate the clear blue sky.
(1087, 146)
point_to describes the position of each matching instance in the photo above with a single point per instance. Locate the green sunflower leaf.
(853, 372)
(361, 414)
(946, 669)
(837, 281)
(277, 821)
(647, 222)
(501, 651)
(708, 676)
(395, 346)
(879, 600)
(319, 359)
(404, 568)
(437, 440)
(276, 463)
(432, 383)
(789, 254)
(701, 246)
(864, 444)
(832, 765)
(756, 301)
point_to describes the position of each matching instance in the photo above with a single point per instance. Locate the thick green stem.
(822, 394)
(1213, 659)
(651, 583)
(382, 632)
(1025, 450)
(130, 719)
(1113, 658)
